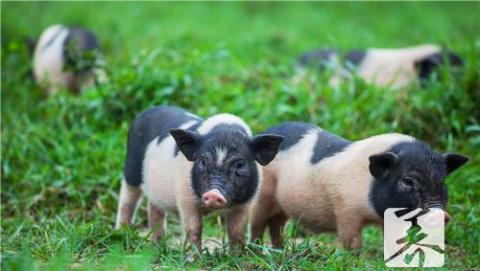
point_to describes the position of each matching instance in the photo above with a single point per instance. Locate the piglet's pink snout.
(213, 199)
(437, 217)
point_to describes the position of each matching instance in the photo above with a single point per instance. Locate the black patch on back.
(292, 132)
(430, 64)
(416, 159)
(355, 57)
(318, 59)
(153, 122)
(80, 45)
(327, 145)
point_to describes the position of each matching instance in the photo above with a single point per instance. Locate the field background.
(62, 157)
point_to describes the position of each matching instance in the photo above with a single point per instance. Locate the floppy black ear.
(265, 147)
(381, 164)
(454, 161)
(187, 142)
(30, 43)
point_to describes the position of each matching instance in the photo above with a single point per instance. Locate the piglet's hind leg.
(127, 204)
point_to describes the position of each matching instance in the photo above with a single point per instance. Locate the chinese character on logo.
(414, 238)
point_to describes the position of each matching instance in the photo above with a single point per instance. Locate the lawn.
(62, 156)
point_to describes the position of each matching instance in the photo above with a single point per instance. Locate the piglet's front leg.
(349, 230)
(156, 221)
(236, 220)
(192, 223)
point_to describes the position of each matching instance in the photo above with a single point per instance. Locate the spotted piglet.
(327, 183)
(394, 67)
(67, 57)
(191, 166)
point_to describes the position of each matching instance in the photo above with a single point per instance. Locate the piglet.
(67, 57)
(393, 67)
(329, 184)
(190, 166)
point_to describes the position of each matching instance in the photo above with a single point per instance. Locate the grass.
(62, 157)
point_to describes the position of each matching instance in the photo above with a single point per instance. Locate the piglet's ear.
(265, 147)
(187, 141)
(30, 44)
(381, 164)
(454, 161)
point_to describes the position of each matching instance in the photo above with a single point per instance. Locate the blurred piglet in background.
(395, 67)
(67, 57)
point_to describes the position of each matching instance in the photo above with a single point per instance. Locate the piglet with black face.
(411, 175)
(225, 169)
(192, 166)
(328, 183)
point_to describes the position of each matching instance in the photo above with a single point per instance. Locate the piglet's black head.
(431, 64)
(224, 172)
(411, 175)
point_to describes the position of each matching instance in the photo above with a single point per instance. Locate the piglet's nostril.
(214, 199)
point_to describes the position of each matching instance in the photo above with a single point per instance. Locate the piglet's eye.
(240, 164)
(239, 167)
(202, 163)
(408, 182)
